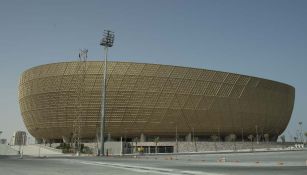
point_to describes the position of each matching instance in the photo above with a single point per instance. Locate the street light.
(301, 131)
(106, 42)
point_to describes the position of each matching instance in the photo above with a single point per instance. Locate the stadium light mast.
(301, 131)
(107, 41)
(77, 124)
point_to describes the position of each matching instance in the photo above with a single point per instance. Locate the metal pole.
(194, 141)
(242, 135)
(257, 134)
(39, 150)
(23, 140)
(219, 135)
(103, 103)
(176, 139)
(193, 134)
(301, 132)
(121, 146)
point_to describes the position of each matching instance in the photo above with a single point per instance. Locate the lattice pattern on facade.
(152, 99)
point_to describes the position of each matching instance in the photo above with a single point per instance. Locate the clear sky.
(263, 38)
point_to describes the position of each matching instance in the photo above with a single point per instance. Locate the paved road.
(280, 163)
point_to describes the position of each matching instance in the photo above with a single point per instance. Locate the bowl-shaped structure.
(151, 99)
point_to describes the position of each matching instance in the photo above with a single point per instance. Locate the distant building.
(20, 138)
(146, 101)
(2, 141)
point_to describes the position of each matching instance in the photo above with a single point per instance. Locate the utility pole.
(107, 41)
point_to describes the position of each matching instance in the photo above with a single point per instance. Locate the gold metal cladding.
(152, 99)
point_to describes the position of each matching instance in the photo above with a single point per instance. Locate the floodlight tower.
(80, 88)
(107, 41)
(301, 131)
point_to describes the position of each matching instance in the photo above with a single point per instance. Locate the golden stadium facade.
(151, 99)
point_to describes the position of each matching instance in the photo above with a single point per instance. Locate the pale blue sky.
(263, 38)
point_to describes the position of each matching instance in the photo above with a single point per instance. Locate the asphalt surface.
(280, 163)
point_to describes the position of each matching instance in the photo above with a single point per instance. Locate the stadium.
(149, 100)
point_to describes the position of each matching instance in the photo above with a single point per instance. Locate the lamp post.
(301, 131)
(106, 42)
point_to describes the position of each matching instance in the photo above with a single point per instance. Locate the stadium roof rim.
(99, 61)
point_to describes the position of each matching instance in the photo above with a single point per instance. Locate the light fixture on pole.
(106, 42)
